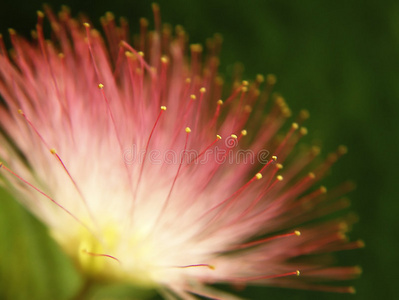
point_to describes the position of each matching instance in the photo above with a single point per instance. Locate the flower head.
(142, 174)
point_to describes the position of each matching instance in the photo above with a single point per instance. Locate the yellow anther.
(258, 176)
(202, 90)
(279, 178)
(304, 114)
(193, 97)
(219, 80)
(143, 22)
(188, 130)
(220, 102)
(360, 243)
(244, 132)
(295, 126)
(245, 83)
(312, 175)
(53, 151)
(196, 47)
(274, 157)
(358, 270)
(20, 111)
(110, 16)
(244, 89)
(298, 273)
(87, 25)
(260, 78)
(297, 232)
(188, 80)
(61, 55)
(342, 150)
(323, 189)
(100, 86)
(11, 31)
(271, 79)
(40, 14)
(218, 137)
(164, 59)
(315, 150)
(303, 131)
(247, 108)
(163, 107)
(141, 53)
(279, 166)
(234, 136)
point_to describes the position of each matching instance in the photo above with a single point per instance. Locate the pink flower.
(124, 150)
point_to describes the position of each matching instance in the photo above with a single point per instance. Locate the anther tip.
(352, 290)
(163, 108)
(297, 233)
(303, 131)
(40, 14)
(342, 149)
(260, 78)
(188, 129)
(164, 59)
(271, 79)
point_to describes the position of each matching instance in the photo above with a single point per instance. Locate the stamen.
(231, 198)
(54, 153)
(143, 33)
(218, 137)
(217, 113)
(236, 91)
(2, 166)
(196, 265)
(262, 277)
(100, 255)
(202, 92)
(265, 240)
(165, 205)
(163, 108)
(140, 57)
(34, 128)
(129, 175)
(294, 127)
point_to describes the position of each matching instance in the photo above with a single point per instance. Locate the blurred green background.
(339, 59)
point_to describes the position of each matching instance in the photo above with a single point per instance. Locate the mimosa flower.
(143, 175)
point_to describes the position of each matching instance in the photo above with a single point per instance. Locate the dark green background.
(338, 59)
